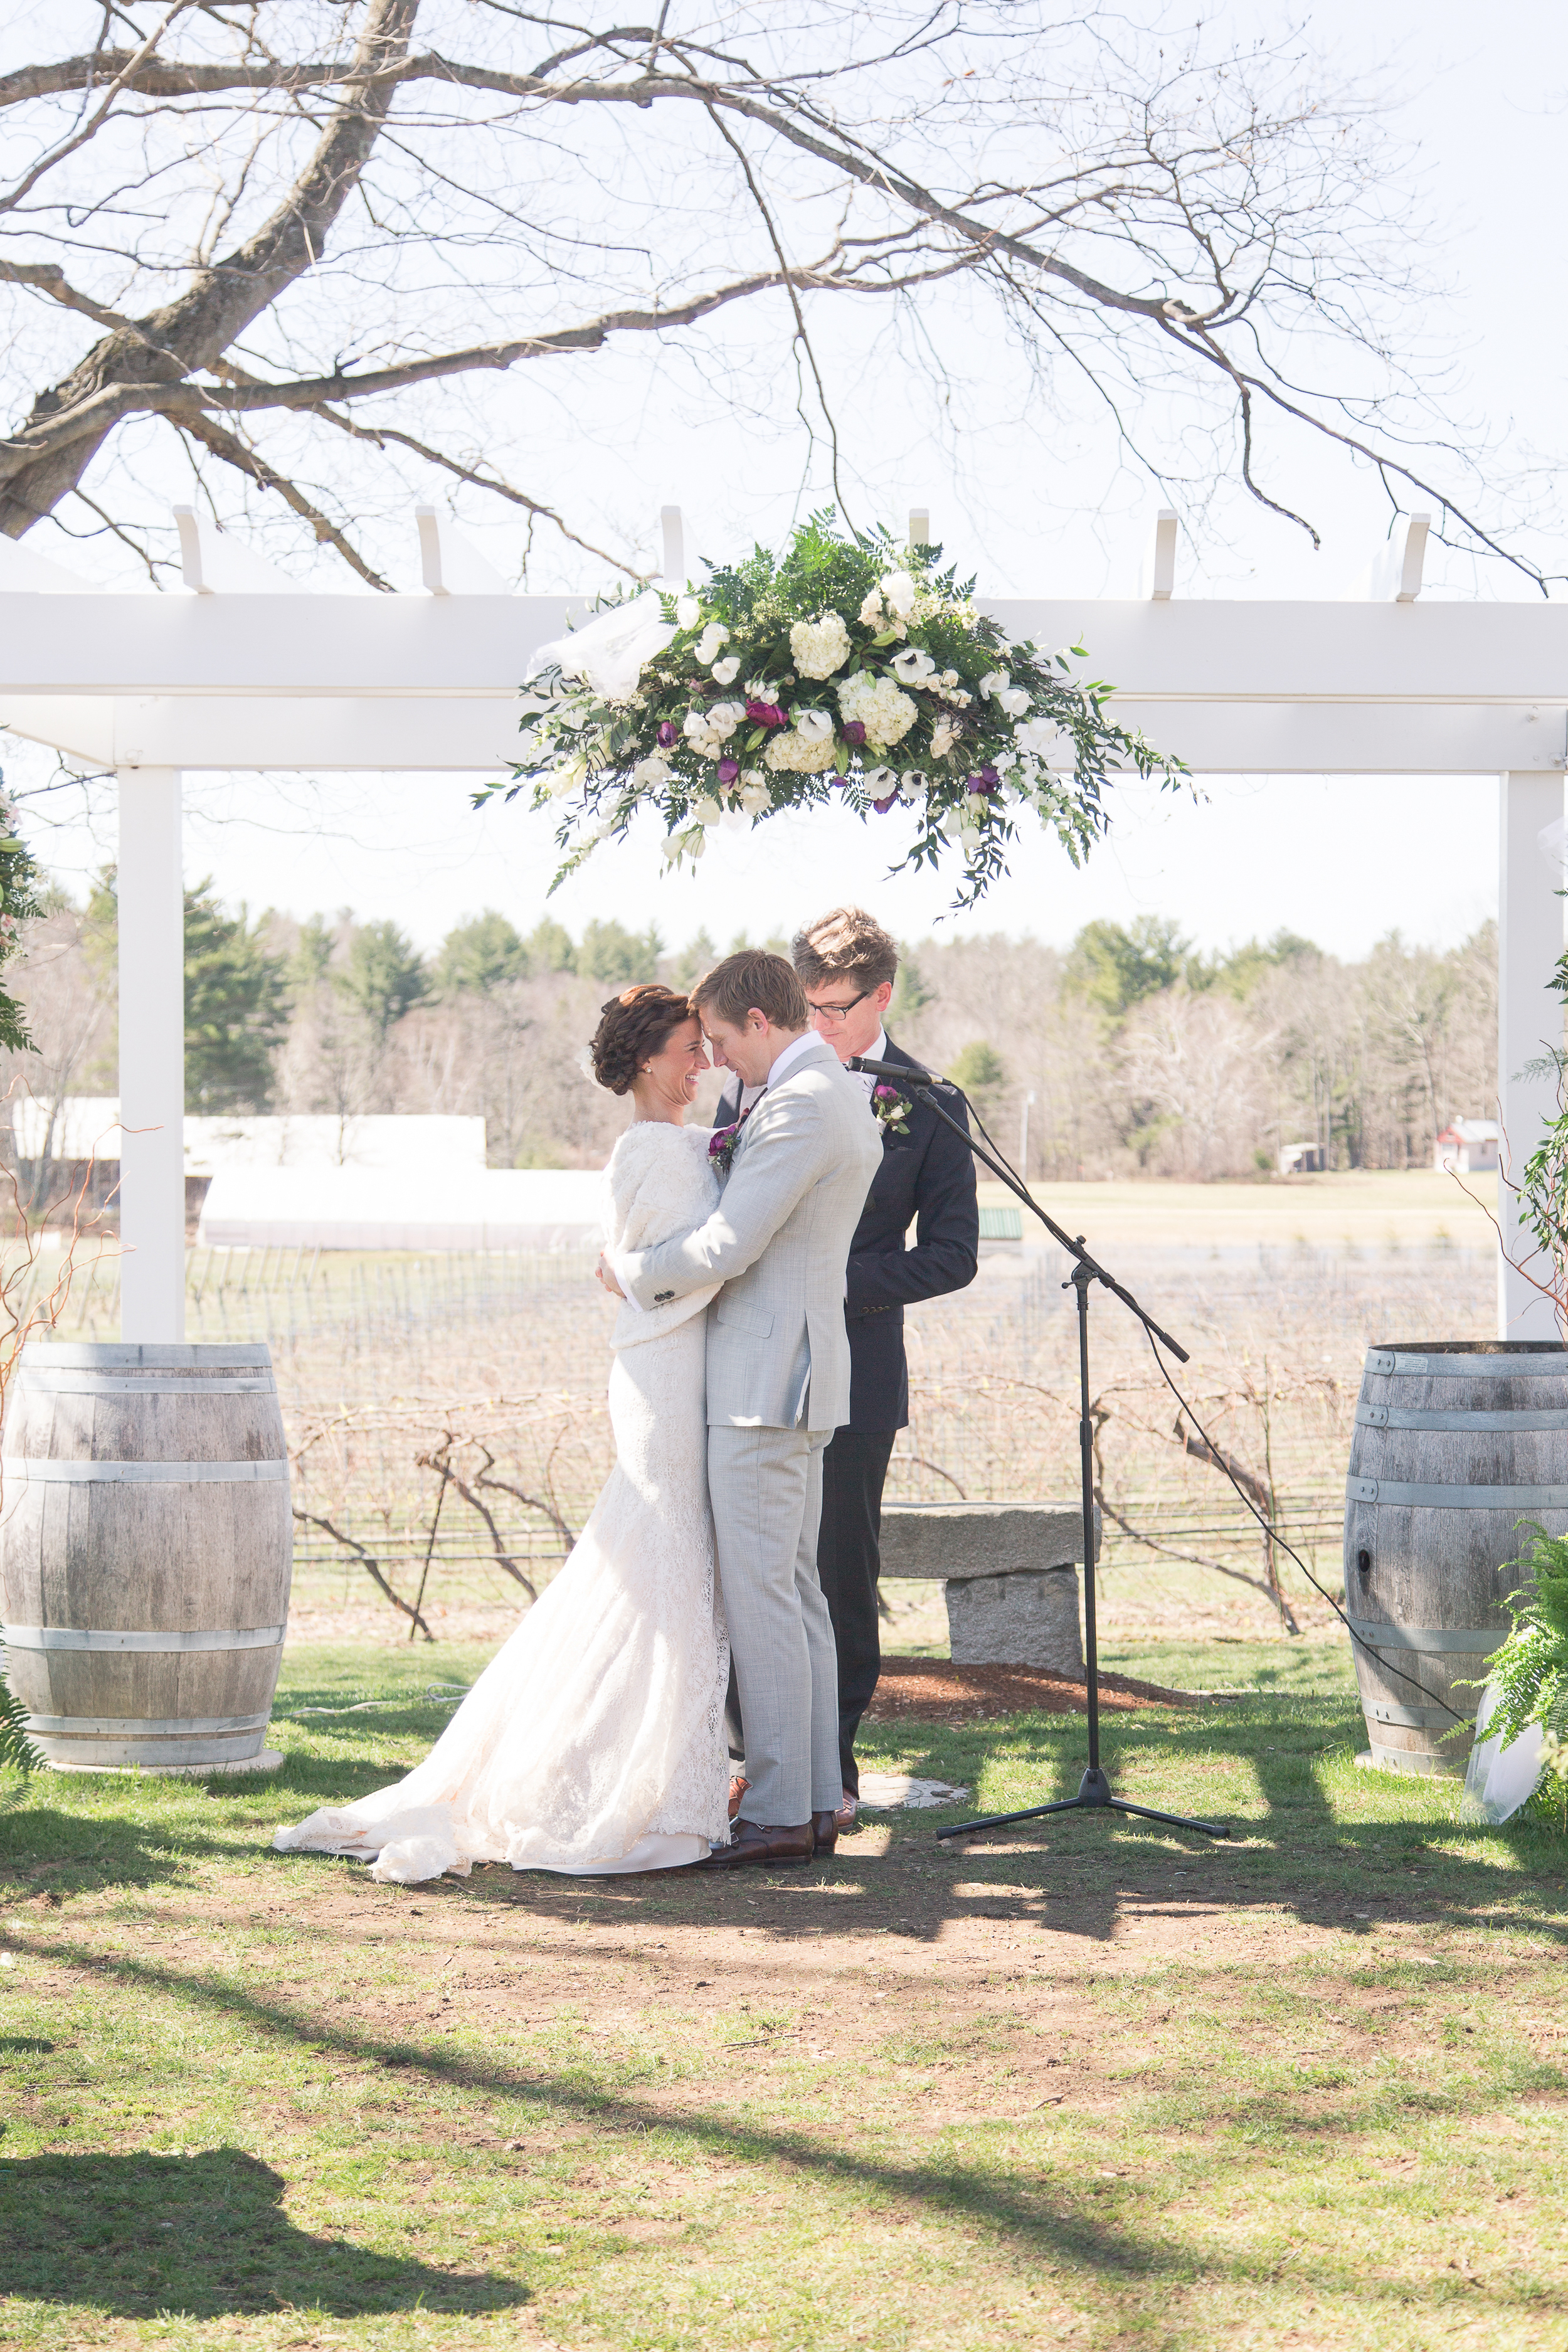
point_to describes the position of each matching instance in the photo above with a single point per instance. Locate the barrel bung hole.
(1363, 1563)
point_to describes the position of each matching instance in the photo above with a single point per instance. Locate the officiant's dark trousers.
(849, 1560)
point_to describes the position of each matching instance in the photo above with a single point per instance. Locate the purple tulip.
(853, 730)
(989, 777)
(668, 732)
(729, 772)
(983, 784)
(764, 714)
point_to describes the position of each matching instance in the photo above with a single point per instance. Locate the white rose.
(707, 811)
(817, 726)
(756, 797)
(653, 771)
(943, 736)
(995, 681)
(694, 726)
(950, 677)
(687, 612)
(723, 719)
(713, 637)
(913, 666)
(725, 672)
(899, 590)
(1014, 699)
(871, 610)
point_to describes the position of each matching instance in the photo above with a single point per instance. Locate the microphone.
(898, 1071)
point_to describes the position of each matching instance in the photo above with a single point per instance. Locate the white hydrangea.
(801, 754)
(886, 713)
(819, 646)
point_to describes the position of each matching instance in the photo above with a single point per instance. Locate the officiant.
(847, 965)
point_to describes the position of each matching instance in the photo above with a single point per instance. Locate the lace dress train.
(593, 1743)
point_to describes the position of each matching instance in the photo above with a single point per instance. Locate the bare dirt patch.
(941, 1691)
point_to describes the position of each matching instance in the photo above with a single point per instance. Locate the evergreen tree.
(616, 957)
(550, 949)
(237, 994)
(236, 1007)
(480, 956)
(383, 975)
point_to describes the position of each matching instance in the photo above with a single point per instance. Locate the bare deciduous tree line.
(1134, 1055)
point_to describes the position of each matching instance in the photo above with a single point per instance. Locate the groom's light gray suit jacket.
(778, 1242)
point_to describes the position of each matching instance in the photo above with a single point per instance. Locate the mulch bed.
(941, 1691)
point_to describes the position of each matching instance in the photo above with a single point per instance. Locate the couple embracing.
(596, 1742)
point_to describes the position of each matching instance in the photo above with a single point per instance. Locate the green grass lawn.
(1084, 2082)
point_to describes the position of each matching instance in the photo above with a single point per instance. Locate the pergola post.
(151, 917)
(1529, 1020)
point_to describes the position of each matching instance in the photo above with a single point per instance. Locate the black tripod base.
(1094, 1789)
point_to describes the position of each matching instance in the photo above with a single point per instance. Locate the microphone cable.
(1396, 1673)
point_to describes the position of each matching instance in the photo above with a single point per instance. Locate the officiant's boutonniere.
(890, 1109)
(721, 1144)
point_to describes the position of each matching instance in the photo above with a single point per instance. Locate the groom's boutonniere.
(721, 1144)
(890, 1109)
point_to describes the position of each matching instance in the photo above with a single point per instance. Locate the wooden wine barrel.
(1455, 1442)
(146, 1549)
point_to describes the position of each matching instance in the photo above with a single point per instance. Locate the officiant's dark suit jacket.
(926, 1179)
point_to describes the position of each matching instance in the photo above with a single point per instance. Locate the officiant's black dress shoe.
(824, 1834)
(751, 1843)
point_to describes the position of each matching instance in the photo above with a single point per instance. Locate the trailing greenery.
(21, 899)
(789, 679)
(1529, 1673)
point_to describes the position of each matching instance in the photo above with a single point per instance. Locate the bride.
(594, 1742)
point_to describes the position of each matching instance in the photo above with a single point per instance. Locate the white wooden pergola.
(247, 672)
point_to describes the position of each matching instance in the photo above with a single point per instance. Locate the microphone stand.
(1094, 1789)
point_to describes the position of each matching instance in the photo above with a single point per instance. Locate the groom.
(800, 1165)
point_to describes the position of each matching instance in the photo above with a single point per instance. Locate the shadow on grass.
(85, 2230)
(202, 2235)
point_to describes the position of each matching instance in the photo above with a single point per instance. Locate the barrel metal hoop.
(1436, 1641)
(126, 1354)
(47, 1470)
(1414, 1718)
(1387, 1417)
(73, 1385)
(1456, 1499)
(1549, 1366)
(82, 1637)
(131, 1726)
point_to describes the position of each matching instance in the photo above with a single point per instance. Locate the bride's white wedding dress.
(594, 1742)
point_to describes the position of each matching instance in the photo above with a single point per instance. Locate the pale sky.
(1340, 860)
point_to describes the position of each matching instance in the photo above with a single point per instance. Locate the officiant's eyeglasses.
(834, 1014)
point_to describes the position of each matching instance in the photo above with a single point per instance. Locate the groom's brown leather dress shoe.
(824, 1833)
(749, 1842)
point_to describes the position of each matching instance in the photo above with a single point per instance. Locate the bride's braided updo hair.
(632, 1026)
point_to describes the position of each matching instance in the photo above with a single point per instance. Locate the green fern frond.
(17, 1752)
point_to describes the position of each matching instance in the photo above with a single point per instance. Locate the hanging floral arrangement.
(849, 668)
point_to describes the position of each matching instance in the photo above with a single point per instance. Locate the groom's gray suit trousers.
(766, 1489)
